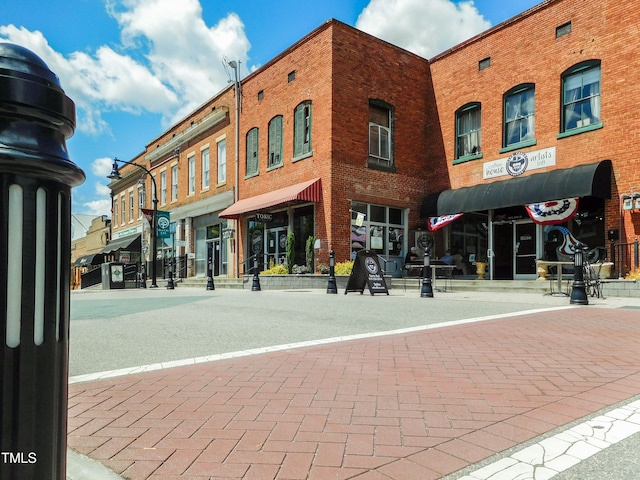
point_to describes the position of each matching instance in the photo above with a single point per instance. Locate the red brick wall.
(525, 50)
(339, 69)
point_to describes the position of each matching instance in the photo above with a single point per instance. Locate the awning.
(593, 179)
(310, 191)
(130, 242)
(93, 259)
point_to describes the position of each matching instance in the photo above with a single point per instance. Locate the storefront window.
(469, 236)
(378, 228)
(303, 228)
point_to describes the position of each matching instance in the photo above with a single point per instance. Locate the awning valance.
(92, 259)
(130, 242)
(309, 191)
(593, 179)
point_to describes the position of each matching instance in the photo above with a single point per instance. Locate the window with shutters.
(252, 152)
(275, 142)
(302, 131)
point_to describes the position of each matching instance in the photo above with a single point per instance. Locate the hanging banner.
(164, 224)
(436, 223)
(148, 215)
(553, 212)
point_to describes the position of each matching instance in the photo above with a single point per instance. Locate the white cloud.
(97, 207)
(182, 51)
(425, 28)
(101, 167)
(169, 62)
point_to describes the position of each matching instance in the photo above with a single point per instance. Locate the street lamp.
(115, 175)
(236, 85)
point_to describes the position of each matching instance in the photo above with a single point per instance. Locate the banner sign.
(553, 212)
(438, 222)
(148, 215)
(164, 224)
(366, 271)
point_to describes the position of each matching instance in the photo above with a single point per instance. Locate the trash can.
(36, 176)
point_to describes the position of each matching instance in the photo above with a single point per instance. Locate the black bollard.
(578, 289)
(255, 286)
(210, 285)
(143, 276)
(170, 284)
(427, 289)
(332, 287)
(36, 176)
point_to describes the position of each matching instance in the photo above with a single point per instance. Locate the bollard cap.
(36, 118)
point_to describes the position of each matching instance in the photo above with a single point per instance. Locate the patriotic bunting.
(553, 212)
(438, 222)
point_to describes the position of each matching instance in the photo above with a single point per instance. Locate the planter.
(481, 268)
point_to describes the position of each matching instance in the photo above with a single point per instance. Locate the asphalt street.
(117, 329)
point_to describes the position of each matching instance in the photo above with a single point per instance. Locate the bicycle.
(592, 282)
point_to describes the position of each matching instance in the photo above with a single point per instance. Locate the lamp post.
(236, 85)
(115, 175)
(427, 288)
(578, 290)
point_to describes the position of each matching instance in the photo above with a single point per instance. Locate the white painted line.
(290, 346)
(562, 451)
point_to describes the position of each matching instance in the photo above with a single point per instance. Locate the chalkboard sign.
(366, 271)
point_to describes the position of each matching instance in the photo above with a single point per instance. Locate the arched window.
(252, 152)
(519, 115)
(469, 131)
(581, 96)
(275, 142)
(302, 130)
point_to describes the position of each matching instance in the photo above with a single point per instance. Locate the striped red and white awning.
(309, 191)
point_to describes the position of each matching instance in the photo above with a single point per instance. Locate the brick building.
(331, 128)
(360, 144)
(538, 112)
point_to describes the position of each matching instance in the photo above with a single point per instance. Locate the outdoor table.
(543, 271)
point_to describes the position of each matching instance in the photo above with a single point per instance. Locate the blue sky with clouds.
(135, 67)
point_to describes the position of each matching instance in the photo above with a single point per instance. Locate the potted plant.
(481, 266)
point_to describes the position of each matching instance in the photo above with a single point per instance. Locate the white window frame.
(206, 167)
(174, 182)
(192, 174)
(222, 160)
(163, 187)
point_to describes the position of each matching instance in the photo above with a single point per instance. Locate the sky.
(136, 67)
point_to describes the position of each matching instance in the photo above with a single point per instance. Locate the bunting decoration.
(553, 212)
(436, 223)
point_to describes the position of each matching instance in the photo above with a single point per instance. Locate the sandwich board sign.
(366, 271)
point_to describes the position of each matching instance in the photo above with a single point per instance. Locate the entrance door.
(525, 248)
(213, 255)
(276, 246)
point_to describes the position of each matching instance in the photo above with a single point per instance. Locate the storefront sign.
(164, 225)
(366, 271)
(519, 162)
(264, 217)
(227, 233)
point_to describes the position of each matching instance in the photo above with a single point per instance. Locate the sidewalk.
(422, 403)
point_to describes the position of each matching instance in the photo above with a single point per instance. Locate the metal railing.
(625, 257)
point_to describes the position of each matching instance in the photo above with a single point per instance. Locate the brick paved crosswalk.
(415, 405)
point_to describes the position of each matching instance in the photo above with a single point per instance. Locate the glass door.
(525, 250)
(276, 246)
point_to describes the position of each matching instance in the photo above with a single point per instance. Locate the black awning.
(93, 259)
(131, 242)
(593, 179)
